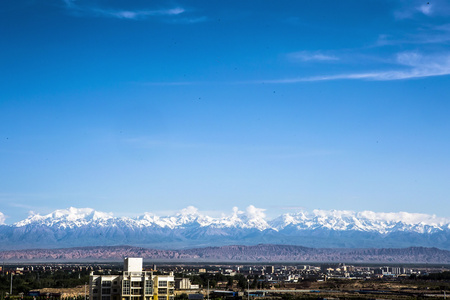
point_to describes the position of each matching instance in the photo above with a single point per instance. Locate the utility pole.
(208, 290)
(248, 289)
(85, 290)
(10, 288)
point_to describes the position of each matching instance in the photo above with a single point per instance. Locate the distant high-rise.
(131, 284)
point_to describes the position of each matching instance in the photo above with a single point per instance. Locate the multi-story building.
(131, 284)
(182, 283)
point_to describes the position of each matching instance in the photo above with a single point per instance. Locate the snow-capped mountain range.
(319, 228)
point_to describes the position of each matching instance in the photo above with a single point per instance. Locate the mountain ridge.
(235, 253)
(188, 228)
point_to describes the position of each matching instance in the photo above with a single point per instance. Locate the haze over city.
(129, 107)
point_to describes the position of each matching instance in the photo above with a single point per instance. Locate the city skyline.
(131, 107)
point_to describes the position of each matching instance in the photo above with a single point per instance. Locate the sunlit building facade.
(131, 284)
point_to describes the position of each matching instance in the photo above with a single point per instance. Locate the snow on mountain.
(187, 217)
(71, 217)
(361, 221)
(75, 227)
(252, 218)
(255, 218)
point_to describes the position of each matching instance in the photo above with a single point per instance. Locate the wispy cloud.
(409, 65)
(295, 208)
(412, 8)
(430, 34)
(417, 66)
(95, 11)
(307, 56)
(150, 143)
(170, 83)
(20, 205)
(302, 154)
(139, 14)
(2, 218)
(426, 9)
(189, 20)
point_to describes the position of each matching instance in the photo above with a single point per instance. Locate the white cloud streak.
(2, 218)
(138, 14)
(85, 10)
(418, 66)
(307, 56)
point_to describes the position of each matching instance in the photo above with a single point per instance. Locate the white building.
(182, 283)
(131, 284)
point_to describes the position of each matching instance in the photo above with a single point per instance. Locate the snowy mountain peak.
(361, 221)
(251, 218)
(189, 226)
(188, 215)
(71, 217)
(255, 217)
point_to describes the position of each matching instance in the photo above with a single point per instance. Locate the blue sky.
(152, 106)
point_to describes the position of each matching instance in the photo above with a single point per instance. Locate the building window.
(135, 292)
(126, 287)
(148, 287)
(94, 291)
(106, 297)
(162, 291)
(106, 283)
(171, 298)
(162, 283)
(136, 284)
(106, 291)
